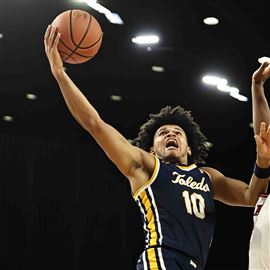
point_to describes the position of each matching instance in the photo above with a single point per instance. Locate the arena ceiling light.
(264, 59)
(221, 85)
(146, 39)
(115, 97)
(211, 21)
(111, 17)
(7, 118)
(31, 96)
(157, 68)
(214, 80)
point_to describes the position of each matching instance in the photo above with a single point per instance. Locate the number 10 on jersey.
(194, 204)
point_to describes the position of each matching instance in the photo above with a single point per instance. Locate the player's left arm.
(238, 193)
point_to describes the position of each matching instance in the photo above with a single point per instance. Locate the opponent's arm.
(238, 193)
(136, 164)
(260, 108)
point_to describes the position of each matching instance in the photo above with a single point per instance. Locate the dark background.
(63, 204)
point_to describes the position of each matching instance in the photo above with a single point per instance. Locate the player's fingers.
(47, 32)
(45, 45)
(263, 66)
(51, 35)
(258, 140)
(262, 129)
(268, 131)
(56, 41)
(46, 36)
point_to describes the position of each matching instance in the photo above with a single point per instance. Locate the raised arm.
(260, 108)
(238, 193)
(136, 164)
(235, 192)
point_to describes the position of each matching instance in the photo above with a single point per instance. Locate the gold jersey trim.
(149, 212)
(187, 168)
(150, 181)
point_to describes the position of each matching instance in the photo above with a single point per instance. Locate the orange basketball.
(81, 36)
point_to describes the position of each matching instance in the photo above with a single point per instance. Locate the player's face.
(170, 144)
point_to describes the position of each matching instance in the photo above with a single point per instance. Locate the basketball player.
(259, 251)
(175, 196)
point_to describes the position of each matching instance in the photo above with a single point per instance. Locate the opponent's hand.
(51, 40)
(263, 144)
(262, 73)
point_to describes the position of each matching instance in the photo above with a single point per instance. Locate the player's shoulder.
(214, 173)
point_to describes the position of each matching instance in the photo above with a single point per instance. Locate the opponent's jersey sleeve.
(259, 249)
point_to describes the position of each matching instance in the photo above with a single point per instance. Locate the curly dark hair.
(174, 116)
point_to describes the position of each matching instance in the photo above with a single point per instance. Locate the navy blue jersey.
(178, 212)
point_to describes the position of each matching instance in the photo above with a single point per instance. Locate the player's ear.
(152, 151)
(189, 152)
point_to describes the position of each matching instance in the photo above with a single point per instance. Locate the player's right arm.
(260, 108)
(136, 164)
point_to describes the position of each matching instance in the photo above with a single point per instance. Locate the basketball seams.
(82, 55)
(71, 34)
(74, 52)
(74, 59)
(78, 30)
(92, 45)
(70, 28)
(85, 33)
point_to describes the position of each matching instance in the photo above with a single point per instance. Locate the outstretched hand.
(263, 142)
(51, 40)
(262, 73)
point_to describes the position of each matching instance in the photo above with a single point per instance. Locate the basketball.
(81, 36)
